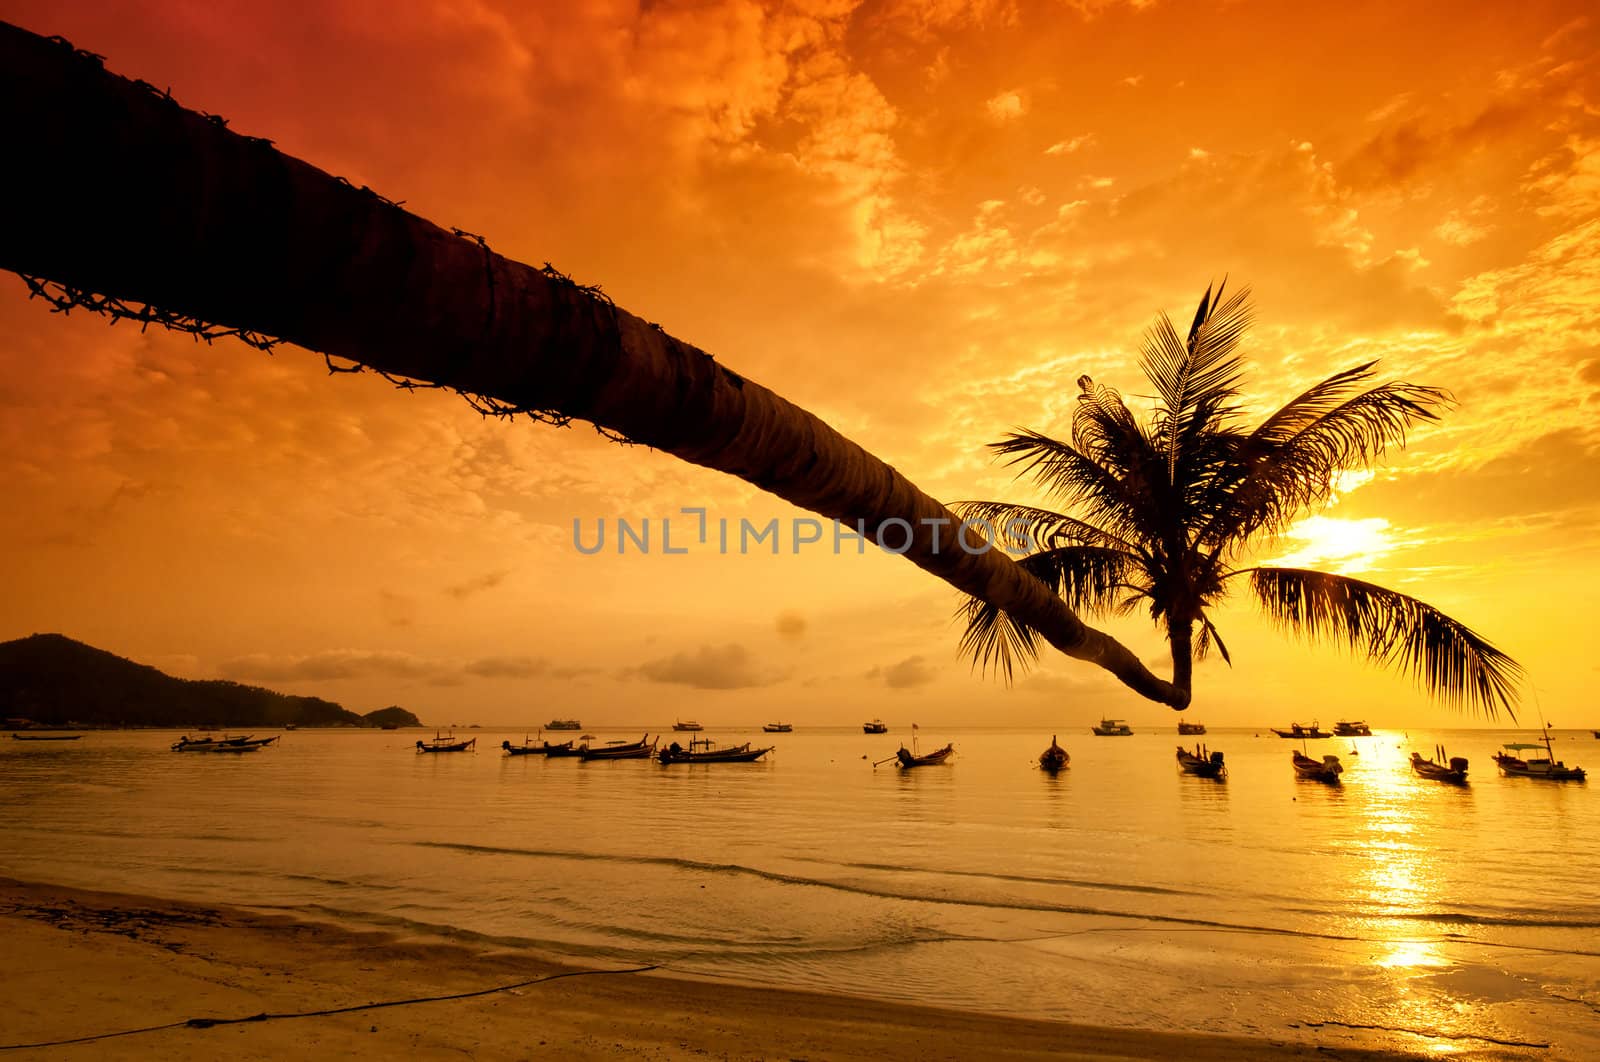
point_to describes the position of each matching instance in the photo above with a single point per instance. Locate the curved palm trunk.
(113, 188)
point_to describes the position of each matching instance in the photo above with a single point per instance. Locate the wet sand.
(79, 964)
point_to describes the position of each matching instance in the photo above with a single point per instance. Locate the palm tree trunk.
(112, 188)
(1181, 634)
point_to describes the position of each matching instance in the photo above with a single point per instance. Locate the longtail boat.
(446, 743)
(908, 759)
(1302, 733)
(701, 750)
(1326, 770)
(1054, 758)
(642, 749)
(1202, 763)
(1452, 769)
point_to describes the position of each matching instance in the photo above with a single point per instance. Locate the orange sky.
(922, 220)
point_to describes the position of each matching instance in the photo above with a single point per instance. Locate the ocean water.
(1119, 892)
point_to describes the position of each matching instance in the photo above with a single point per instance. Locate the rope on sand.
(208, 1023)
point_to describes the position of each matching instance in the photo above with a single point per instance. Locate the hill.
(54, 680)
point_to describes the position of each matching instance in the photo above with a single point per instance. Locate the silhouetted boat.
(563, 724)
(877, 726)
(701, 750)
(443, 743)
(1325, 770)
(206, 744)
(1302, 733)
(778, 728)
(1549, 768)
(527, 748)
(1113, 728)
(1202, 763)
(633, 750)
(1191, 729)
(1054, 758)
(908, 759)
(564, 748)
(687, 724)
(220, 749)
(45, 737)
(1355, 729)
(1451, 769)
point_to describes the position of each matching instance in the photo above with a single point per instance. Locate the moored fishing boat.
(1202, 763)
(1326, 770)
(1351, 729)
(908, 759)
(1303, 733)
(701, 750)
(45, 737)
(1547, 767)
(632, 750)
(778, 728)
(1191, 729)
(1113, 728)
(527, 748)
(1054, 758)
(446, 743)
(877, 726)
(1451, 769)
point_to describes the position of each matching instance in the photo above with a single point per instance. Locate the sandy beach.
(80, 964)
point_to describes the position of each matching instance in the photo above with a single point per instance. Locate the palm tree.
(1161, 512)
(116, 199)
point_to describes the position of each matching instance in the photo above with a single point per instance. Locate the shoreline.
(87, 962)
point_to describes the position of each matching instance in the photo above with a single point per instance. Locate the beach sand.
(78, 963)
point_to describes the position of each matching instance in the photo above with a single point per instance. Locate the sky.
(920, 219)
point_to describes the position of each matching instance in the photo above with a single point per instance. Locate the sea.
(1454, 921)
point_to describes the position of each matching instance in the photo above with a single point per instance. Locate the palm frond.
(1106, 431)
(1087, 577)
(1292, 462)
(1447, 659)
(994, 640)
(1045, 529)
(1196, 378)
(1108, 501)
(1209, 634)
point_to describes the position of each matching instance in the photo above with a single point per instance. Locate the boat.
(219, 748)
(1351, 729)
(564, 748)
(527, 748)
(1326, 769)
(1191, 729)
(687, 724)
(1113, 728)
(1549, 768)
(877, 726)
(207, 744)
(563, 724)
(778, 728)
(1597, 734)
(1452, 769)
(1302, 733)
(1202, 763)
(45, 737)
(1054, 758)
(291, 726)
(642, 749)
(446, 743)
(701, 750)
(908, 759)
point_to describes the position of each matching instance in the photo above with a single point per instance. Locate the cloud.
(508, 667)
(477, 585)
(330, 666)
(1070, 145)
(908, 674)
(726, 667)
(1006, 106)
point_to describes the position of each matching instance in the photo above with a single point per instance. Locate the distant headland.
(52, 680)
